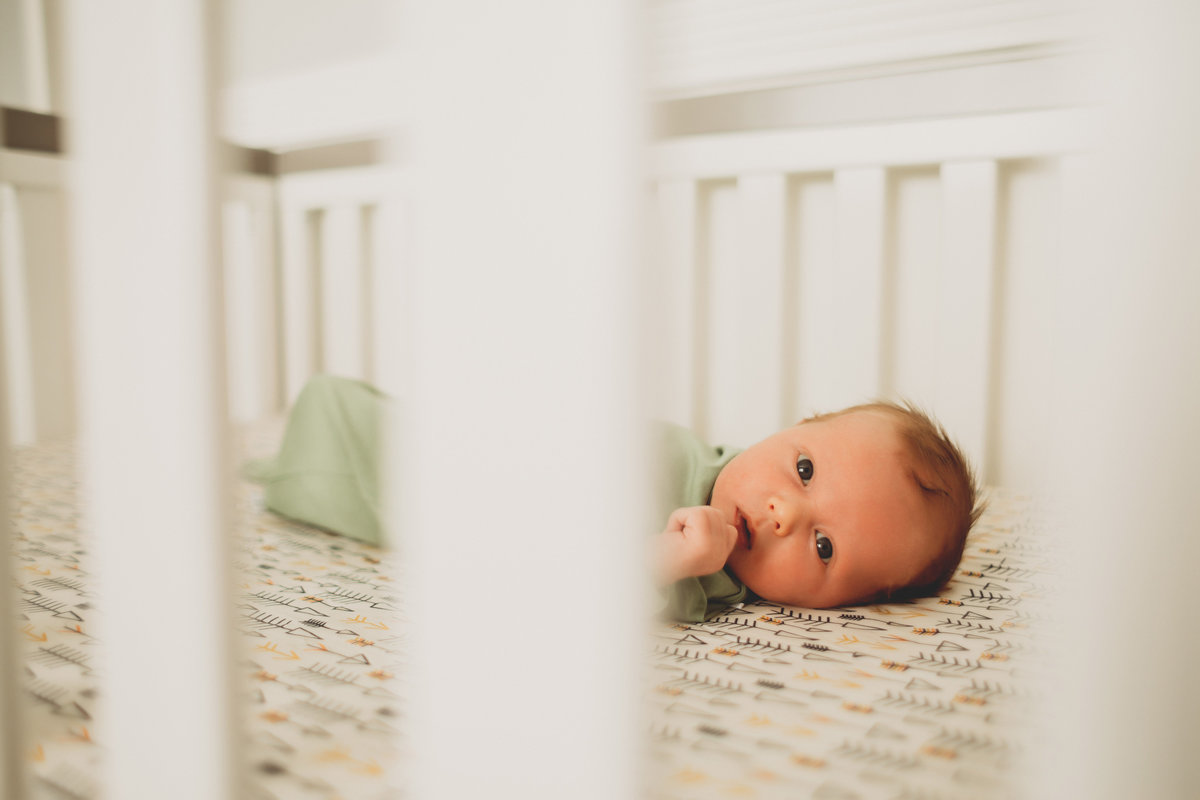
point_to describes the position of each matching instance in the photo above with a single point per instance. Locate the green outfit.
(326, 474)
(687, 470)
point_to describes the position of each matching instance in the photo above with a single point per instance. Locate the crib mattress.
(921, 699)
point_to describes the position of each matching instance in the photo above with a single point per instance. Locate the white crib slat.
(24, 68)
(14, 294)
(745, 308)
(522, 366)
(916, 250)
(12, 699)
(345, 317)
(858, 290)
(811, 326)
(247, 316)
(965, 310)
(299, 328)
(674, 369)
(152, 391)
(387, 258)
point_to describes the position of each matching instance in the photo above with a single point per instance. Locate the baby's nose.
(784, 515)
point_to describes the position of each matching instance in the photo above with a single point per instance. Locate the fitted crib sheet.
(922, 699)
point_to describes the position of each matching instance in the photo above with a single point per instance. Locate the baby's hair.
(946, 481)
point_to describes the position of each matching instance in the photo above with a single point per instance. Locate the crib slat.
(810, 318)
(674, 369)
(964, 343)
(858, 289)
(23, 56)
(243, 315)
(14, 294)
(345, 317)
(154, 466)
(296, 294)
(386, 262)
(745, 309)
(519, 453)
(11, 696)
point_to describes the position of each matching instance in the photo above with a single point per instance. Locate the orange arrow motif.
(33, 568)
(368, 624)
(28, 631)
(273, 648)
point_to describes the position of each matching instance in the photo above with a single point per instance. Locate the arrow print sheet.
(922, 699)
(318, 618)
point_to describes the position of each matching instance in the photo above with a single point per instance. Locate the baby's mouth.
(747, 533)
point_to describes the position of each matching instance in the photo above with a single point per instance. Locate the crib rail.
(816, 269)
(800, 271)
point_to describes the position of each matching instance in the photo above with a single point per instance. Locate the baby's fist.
(697, 541)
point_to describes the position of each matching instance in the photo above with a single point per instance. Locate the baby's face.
(826, 511)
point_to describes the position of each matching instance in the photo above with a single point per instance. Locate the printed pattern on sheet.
(320, 663)
(925, 699)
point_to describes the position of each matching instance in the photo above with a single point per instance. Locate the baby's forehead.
(863, 431)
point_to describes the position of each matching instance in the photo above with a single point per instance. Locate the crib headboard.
(813, 269)
(796, 271)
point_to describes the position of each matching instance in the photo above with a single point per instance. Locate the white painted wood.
(745, 310)
(858, 286)
(319, 188)
(722, 45)
(24, 71)
(152, 387)
(716, 332)
(297, 307)
(44, 237)
(1001, 136)
(247, 316)
(964, 353)
(12, 698)
(14, 308)
(672, 318)
(1026, 367)
(32, 169)
(329, 103)
(811, 331)
(1123, 724)
(520, 422)
(914, 282)
(388, 257)
(345, 317)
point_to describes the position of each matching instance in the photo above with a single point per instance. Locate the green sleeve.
(327, 471)
(688, 468)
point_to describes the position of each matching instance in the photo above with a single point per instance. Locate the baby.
(855, 506)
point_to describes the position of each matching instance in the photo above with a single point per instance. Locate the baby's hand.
(697, 541)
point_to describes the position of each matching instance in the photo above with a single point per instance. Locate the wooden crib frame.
(777, 222)
(790, 271)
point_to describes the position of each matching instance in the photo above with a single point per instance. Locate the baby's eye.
(824, 547)
(804, 468)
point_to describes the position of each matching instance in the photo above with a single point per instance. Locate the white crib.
(791, 269)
